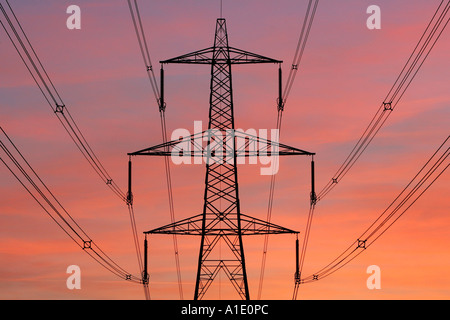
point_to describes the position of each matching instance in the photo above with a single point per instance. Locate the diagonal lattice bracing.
(221, 220)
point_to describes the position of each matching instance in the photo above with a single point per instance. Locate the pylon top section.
(221, 52)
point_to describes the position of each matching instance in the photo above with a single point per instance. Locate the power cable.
(39, 74)
(35, 67)
(143, 45)
(304, 34)
(407, 75)
(434, 167)
(46, 199)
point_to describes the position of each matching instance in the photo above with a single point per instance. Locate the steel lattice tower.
(221, 220)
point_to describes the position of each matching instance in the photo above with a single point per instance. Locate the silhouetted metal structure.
(221, 219)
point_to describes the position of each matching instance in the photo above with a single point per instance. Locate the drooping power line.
(409, 71)
(434, 167)
(283, 95)
(29, 57)
(159, 97)
(23, 172)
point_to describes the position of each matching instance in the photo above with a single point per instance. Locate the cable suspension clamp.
(108, 181)
(128, 277)
(129, 199)
(280, 104)
(313, 199)
(315, 277)
(145, 278)
(295, 67)
(162, 105)
(334, 180)
(149, 68)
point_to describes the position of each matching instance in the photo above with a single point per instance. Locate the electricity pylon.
(221, 220)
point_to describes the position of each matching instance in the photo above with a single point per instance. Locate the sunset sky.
(345, 74)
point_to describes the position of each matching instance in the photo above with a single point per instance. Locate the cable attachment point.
(145, 277)
(297, 277)
(162, 105)
(313, 198)
(129, 199)
(149, 68)
(280, 104)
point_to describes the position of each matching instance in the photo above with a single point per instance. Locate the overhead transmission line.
(29, 57)
(283, 95)
(419, 184)
(143, 45)
(24, 173)
(415, 61)
(32, 62)
(299, 51)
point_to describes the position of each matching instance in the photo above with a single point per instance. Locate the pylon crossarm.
(239, 56)
(193, 226)
(254, 226)
(205, 56)
(189, 226)
(247, 145)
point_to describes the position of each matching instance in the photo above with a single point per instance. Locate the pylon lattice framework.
(221, 219)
